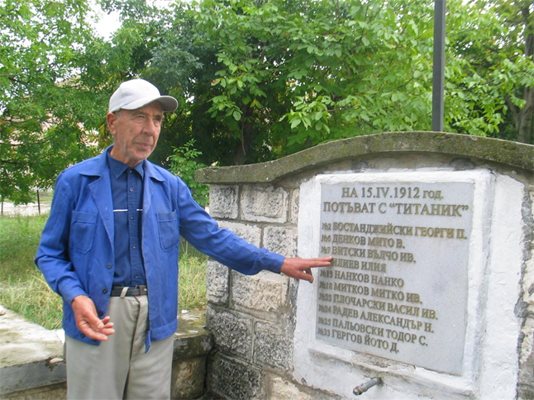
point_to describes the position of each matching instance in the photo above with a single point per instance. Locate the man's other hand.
(300, 268)
(87, 319)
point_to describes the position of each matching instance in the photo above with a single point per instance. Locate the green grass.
(24, 290)
(192, 279)
(22, 287)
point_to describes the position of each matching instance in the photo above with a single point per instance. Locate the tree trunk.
(524, 118)
(244, 148)
(525, 123)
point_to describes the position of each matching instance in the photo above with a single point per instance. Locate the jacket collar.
(97, 166)
(100, 188)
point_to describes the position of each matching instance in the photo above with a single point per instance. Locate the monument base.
(421, 295)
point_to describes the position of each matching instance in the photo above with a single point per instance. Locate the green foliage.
(255, 80)
(490, 68)
(288, 75)
(56, 77)
(265, 79)
(46, 112)
(183, 162)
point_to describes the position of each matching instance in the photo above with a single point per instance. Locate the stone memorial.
(431, 292)
(409, 272)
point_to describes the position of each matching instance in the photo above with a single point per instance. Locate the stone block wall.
(252, 318)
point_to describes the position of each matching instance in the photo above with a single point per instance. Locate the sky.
(107, 24)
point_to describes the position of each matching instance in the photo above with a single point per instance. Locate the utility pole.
(439, 65)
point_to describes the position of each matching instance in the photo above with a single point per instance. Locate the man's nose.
(152, 126)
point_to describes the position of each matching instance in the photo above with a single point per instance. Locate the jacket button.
(104, 291)
(109, 266)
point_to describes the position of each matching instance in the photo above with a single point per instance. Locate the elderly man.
(110, 250)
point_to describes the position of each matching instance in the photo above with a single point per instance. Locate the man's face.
(135, 133)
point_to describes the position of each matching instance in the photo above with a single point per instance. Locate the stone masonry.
(252, 318)
(251, 315)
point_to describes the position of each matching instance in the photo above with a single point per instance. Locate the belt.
(122, 291)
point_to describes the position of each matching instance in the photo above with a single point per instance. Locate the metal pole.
(364, 387)
(439, 65)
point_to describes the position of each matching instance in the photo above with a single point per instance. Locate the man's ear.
(111, 118)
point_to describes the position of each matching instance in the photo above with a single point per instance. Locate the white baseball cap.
(137, 93)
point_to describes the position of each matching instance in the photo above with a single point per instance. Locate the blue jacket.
(76, 253)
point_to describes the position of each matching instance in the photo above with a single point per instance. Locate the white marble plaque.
(399, 285)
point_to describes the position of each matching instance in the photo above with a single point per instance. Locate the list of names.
(398, 287)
